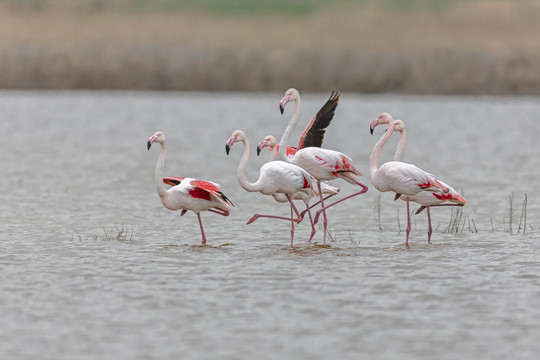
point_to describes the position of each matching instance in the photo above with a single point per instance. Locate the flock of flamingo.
(302, 173)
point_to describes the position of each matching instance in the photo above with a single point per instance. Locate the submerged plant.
(121, 233)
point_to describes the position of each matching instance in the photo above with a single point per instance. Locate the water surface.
(76, 173)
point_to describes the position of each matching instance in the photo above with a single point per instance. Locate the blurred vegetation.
(282, 7)
(406, 46)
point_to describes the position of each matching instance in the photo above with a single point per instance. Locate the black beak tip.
(281, 109)
(227, 148)
(371, 130)
(148, 145)
(258, 150)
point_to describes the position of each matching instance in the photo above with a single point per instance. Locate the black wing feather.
(315, 134)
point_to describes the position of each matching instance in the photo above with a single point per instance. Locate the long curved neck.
(273, 153)
(401, 145)
(162, 191)
(282, 153)
(240, 173)
(374, 159)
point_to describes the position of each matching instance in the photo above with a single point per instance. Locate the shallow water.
(76, 172)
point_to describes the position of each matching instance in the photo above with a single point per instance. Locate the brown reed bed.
(471, 47)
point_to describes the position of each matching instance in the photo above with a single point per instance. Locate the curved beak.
(373, 125)
(152, 139)
(459, 199)
(284, 102)
(261, 146)
(229, 144)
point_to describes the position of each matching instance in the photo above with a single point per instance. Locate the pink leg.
(298, 218)
(325, 221)
(202, 230)
(256, 216)
(292, 214)
(218, 211)
(303, 213)
(310, 221)
(323, 208)
(408, 224)
(429, 226)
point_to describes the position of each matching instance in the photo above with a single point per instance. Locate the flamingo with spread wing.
(322, 164)
(187, 193)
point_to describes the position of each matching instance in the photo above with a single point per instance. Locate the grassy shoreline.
(473, 47)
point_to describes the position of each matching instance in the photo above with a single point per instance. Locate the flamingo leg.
(364, 189)
(202, 230)
(325, 221)
(256, 216)
(220, 212)
(303, 213)
(310, 221)
(429, 225)
(298, 218)
(408, 230)
(293, 208)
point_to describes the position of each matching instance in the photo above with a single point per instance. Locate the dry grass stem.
(523, 217)
(121, 233)
(377, 207)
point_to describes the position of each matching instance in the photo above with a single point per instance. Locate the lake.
(93, 266)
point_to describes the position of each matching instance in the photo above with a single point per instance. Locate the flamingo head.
(237, 135)
(399, 125)
(450, 195)
(158, 137)
(384, 118)
(290, 95)
(269, 141)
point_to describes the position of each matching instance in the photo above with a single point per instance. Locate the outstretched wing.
(172, 180)
(209, 188)
(313, 135)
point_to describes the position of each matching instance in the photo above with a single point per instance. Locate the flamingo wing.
(205, 189)
(291, 150)
(409, 179)
(313, 135)
(172, 180)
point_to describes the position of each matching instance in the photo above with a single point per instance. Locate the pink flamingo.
(275, 177)
(402, 178)
(322, 164)
(272, 145)
(425, 198)
(188, 193)
(313, 134)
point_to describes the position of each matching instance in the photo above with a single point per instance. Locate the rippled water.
(76, 174)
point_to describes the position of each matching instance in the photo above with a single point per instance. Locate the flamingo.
(275, 177)
(322, 164)
(402, 178)
(188, 193)
(271, 144)
(312, 135)
(425, 198)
